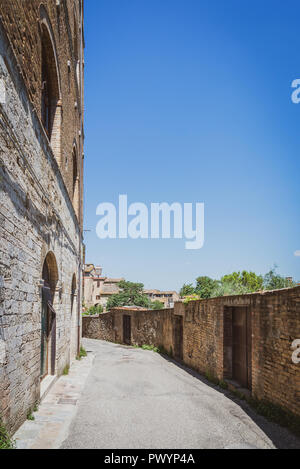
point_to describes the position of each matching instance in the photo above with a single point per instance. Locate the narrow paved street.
(138, 399)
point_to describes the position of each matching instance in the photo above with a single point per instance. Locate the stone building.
(168, 298)
(41, 167)
(97, 288)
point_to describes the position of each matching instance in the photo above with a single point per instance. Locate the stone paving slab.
(57, 410)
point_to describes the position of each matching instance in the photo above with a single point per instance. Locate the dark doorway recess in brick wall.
(127, 330)
(178, 337)
(48, 316)
(238, 345)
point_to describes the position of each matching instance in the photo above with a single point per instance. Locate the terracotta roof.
(113, 280)
(159, 292)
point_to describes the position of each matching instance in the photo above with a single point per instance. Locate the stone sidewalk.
(56, 412)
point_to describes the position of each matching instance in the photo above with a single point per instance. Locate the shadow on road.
(281, 437)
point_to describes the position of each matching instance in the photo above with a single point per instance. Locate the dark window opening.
(49, 85)
(74, 171)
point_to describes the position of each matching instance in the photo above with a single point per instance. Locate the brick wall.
(202, 336)
(276, 324)
(273, 323)
(99, 327)
(147, 327)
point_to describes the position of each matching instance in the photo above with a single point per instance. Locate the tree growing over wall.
(205, 286)
(236, 283)
(187, 290)
(131, 294)
(273, 281)
(249, 281)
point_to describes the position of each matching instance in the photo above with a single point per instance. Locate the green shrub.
(82, 353)
(5, 441)
(276, 414)
(30, 416)
(210, 377)
(150, 347)
(223, 384)
(66, 370)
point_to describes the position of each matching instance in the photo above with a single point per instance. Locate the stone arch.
(50, 272)
(48, 315)
(51, 103)
(73, 293)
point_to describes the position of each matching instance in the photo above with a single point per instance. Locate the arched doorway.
(48, 316)
(73, 293)
(74, 318)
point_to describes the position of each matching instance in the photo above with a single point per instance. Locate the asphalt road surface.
(138, 399)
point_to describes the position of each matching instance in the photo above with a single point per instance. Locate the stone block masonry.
(40, 198)
(147, 327)
(244, 339)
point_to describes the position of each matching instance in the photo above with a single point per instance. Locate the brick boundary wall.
(147, 327)
(206, 338)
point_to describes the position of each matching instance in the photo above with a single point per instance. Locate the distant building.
(97, 289)
(168, 298)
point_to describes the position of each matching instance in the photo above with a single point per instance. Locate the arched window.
(75, 45)
(76, 49)
(50, 273)
(50, 95)
(75, 181)
(74, 172)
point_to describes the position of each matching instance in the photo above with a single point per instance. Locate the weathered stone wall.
(147, 327)
(276, 324)
(37, 216)
(203, 336)
(207, 339)
(22, 23)
(275, 318)
(99, 327)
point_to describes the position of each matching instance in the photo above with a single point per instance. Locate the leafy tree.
(205, 286)
(228, 288)
(236, 283)
(157, 305)
(187, 290)
(131, 294)
(249, 280)
(274, 281)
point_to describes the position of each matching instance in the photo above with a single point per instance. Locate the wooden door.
(178, 337)
(241, 346)
(45, 331)
(127, 330)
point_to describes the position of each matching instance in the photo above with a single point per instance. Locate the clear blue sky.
(190, 101)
